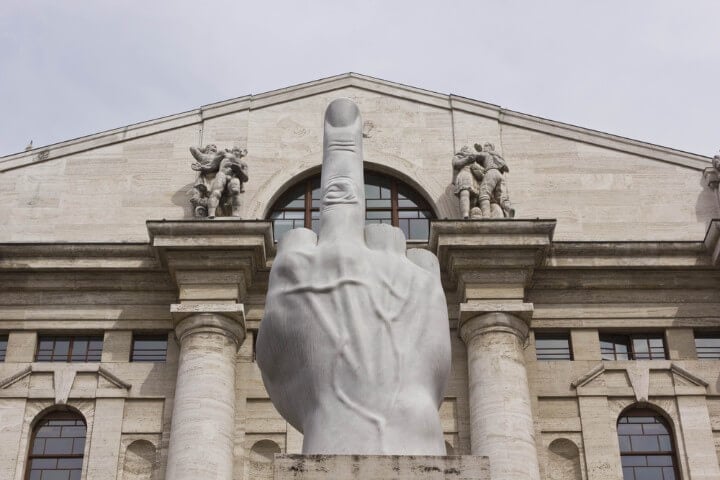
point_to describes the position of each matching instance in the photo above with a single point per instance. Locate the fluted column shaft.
(501, 422)
(201, 436)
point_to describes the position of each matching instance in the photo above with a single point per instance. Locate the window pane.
(650, 455)
(659, 460)
(3, 347)
(378, 195)
(372, 191)
(630, 429)
(378, 214)
(384, 203)
(78, 445)
(625, 444)
(707, 345)
(633, 461)
(648, 473)
(62, 346)
(640, 345)
(149, 348)
(281, 227)
(419, 229)
(54, 456)
(69, 348)
(552, 346)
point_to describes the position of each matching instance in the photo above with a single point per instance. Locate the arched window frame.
(40, 452)
(628, 449)
(404, 202)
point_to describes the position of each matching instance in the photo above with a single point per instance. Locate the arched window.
(647, 450)
(261, 458)
(139, 461)
(387, 200)
(563, 460)
(57, 446)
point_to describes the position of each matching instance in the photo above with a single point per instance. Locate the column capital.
(226, 319)
(477, 318)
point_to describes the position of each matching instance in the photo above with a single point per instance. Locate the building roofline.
(351, 79)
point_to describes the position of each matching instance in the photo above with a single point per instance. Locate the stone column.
(501, 422)
(203, 418)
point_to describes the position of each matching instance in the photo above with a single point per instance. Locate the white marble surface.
(354, 346)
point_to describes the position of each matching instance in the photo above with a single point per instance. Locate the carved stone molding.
(638, 375)
(212, 261)
(712, 242)
(64, 376)
(478, 256)
(222, 318)
(477, 318)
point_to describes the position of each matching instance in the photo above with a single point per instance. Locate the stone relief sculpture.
(480, 184)
(220, 180)
(712, 175)
(715, 180)
(354, 347)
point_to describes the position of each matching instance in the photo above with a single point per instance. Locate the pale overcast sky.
(648, 70)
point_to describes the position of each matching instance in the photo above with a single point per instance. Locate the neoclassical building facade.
(585, 330)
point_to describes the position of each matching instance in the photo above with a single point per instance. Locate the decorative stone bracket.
(712, 241)
(490, 259)
(212, 261)
(227, 319)
(638, 374)
(64, 376)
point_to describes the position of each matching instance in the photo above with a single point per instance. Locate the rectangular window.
(149, 348)
(553, 346)
(69, 348)
(707, 345)
(644, 346)
(3, 347)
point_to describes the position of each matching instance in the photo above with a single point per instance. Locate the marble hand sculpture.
(354, 347)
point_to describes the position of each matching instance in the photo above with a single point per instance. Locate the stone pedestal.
(374, 467)
(201, 436)
(501, 422)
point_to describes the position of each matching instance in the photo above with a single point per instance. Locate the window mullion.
(308, 203)
(394, 218)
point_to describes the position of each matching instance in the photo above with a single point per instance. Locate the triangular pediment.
(103, 187)
(371, 84)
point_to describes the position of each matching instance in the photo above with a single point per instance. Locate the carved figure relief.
(480, 185)
(220, 180)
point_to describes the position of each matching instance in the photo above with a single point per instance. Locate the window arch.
(387, 200)
(647, 450)
(261, 458)
(57, 447)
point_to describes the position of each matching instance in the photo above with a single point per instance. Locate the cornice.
(76, 256)
(627, 255)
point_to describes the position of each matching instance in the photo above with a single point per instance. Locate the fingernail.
(341, 112)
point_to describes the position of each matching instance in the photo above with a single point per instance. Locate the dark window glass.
(57, 447)
(707, 345)
(387, 200)
(647, 346)
(149, 348)
(69, 348)
(553, 346)
(646, 447)
(3, 347)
